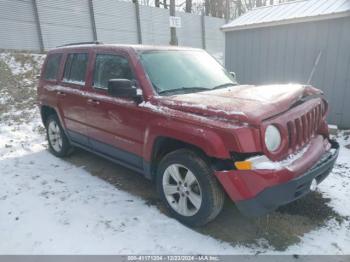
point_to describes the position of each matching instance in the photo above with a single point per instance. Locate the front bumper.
(286, 186)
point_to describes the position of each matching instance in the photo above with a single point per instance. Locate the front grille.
(303, 128)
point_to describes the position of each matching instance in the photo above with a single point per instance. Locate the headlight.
(272, 138)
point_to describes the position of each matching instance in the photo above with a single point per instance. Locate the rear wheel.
(58, 142)
(188, 188)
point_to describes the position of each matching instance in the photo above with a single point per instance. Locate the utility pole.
(173, 38)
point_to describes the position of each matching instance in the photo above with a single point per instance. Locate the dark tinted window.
(75, 68)
(110, 67)
(52, 66)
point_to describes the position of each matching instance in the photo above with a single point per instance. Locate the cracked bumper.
(257, 192)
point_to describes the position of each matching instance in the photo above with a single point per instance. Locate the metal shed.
(282, 43)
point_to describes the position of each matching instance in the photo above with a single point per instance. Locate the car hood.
(246, 103)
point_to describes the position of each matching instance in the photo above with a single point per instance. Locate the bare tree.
(157, 3)
(230, 9)
(207, 7)
(227, 10)
(188, 7)
(239, 7)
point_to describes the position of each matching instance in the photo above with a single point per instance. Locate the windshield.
(184, 71)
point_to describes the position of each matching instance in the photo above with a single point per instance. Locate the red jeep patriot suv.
(179, 118)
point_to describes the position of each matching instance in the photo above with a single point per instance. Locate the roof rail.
(83, 43)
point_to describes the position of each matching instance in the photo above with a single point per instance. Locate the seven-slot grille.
(301, 129)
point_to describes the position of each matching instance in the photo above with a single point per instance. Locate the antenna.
(314, 67)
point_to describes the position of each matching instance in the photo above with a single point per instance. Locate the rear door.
(116, 125)
(71, 99)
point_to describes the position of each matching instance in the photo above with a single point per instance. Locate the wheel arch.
(45, 112)
(164, 145)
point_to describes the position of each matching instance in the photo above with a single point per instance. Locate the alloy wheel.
(55, 136)
(182, 190)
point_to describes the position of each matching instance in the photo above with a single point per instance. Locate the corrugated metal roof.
(290, 12)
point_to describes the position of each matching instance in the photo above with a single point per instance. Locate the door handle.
(60, 93)
(93, 102)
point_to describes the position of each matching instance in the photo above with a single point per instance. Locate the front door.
(115, 125)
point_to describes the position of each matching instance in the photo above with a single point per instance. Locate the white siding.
(215, 38)
(70, 21)
(17, 25)
(115, 21)
(64, 21)
(190, 34)
(154, 25)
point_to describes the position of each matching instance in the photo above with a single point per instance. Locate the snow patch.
(152, 107)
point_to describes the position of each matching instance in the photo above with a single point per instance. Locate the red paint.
(245, 184)
(233, 119)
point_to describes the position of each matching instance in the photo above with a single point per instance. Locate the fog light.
(313, 185)
(243, 165)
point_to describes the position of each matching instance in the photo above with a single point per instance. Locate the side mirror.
(122, 88)
(233, 74)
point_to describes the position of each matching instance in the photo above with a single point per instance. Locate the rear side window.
(52, 66)
(110, 67)
(75, 68)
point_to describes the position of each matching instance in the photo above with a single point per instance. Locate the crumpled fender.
(209, 141)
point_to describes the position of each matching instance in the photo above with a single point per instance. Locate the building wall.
(70, 21)
(287, 53)
(112, 25)
(17, 25)
(64, 22)
(214, 38)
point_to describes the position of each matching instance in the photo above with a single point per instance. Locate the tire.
(190, 211)
(58, 142)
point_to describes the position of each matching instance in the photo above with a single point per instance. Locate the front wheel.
(188, 188)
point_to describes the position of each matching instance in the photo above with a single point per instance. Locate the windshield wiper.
(224, 85)
(185, 89)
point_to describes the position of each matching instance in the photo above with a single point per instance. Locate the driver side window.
(110, 67)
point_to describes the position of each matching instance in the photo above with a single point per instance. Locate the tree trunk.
(188, 6)
(250, 5)
(173, 37)
(220, 8)
(271, 2)
(207, 7)
(239, 7)
(157, 3)
(213, 8)
(258, 3)
(165, 4)
(227, 10)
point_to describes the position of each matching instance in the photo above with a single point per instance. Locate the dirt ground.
(280, 229)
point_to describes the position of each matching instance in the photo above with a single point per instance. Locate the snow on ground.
(50, 206)
(20, 67)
